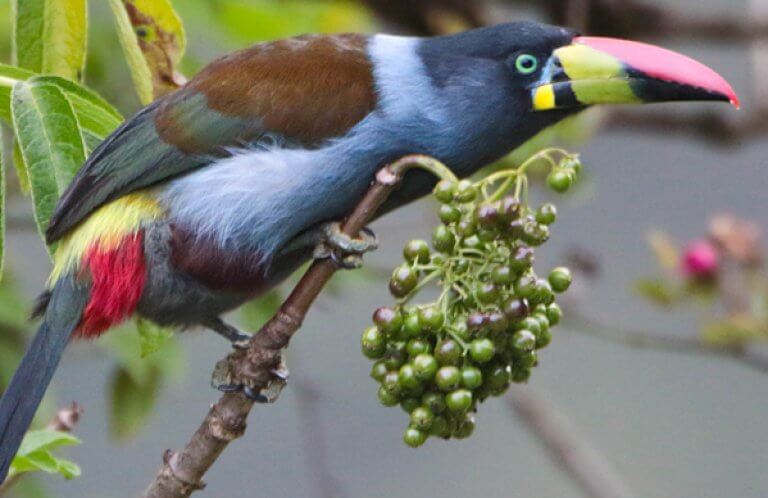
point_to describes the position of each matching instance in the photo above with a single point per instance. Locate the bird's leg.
(347, 252)
(238, 339)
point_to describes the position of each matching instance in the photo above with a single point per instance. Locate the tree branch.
(585, 465)
(182, 472)
(643, 339)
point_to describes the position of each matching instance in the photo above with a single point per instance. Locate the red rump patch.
(117, 278)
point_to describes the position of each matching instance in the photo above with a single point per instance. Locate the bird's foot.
(347, 252)
(238, 339)
(225, 381)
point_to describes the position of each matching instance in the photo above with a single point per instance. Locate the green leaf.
(131, 402)
(3, 213)
(153, 40)
(21, 168)
(36, 454)
(50, 36)
(9, 76)
(51, 142)
(736, 331)
(657, 291)
(153, 337)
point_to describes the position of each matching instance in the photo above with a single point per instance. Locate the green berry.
(465, 428)
(412, 325)
(525, 287)
(462, 330)
(391, 383)
(471, 378)
(443, 239)
(496, 377)
(482, 350)
(465, 191)
(448, 352)
(554, 314)
(522, 259)
(560, 181)
(449, 214)
(560, 279)
(547, 214)
(379, 370)
(440, 428)
(410, 404)
(535, 234)
(373, 343)
(417, 251)
(422, 418)
(414, 437)
(524, 341)
(425, 367)
(448, 378)
(388, 320)
(503, 275)
(444, 191)
(544, 339)
(474, 242)
(461, 266)
(542, 293)
(459, 401)
(387, 398)
(431, 318)
(543, 321)
(417, 347)
(404, 280)
(528, 360)
(497, 323)
(487, 293)
(407, 377)
(521, 375)
(531, 324)
(434, 401)
(466, 228)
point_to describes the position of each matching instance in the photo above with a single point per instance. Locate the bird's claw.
(221, 380)
(347, 252)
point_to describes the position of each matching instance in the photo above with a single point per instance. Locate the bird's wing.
(307, 89)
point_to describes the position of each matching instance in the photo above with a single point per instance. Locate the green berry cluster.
(439, 360)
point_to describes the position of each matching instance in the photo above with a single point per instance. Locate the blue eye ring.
(526, 64)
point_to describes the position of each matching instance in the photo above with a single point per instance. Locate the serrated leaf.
(50, 36)
(36, 454)
(657, 291)
(153, 337)
(51, 142)
(131, 402)
(153, 40)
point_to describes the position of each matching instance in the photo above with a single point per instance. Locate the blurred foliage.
(37, 453)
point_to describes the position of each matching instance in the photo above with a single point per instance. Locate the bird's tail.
(25, 392)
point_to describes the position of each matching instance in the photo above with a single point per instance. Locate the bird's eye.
(526, 64)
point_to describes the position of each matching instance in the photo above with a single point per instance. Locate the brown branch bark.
(595, 475)
(182, 472)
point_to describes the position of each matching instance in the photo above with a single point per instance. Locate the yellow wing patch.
(105, 228)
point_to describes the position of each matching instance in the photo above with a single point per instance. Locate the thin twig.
(182, 472)
(655, 341)
(576, 456)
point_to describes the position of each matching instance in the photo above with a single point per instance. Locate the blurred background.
(658, 376)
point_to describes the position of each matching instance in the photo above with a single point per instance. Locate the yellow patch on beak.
(544, 98)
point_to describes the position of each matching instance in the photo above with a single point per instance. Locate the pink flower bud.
(700, 260)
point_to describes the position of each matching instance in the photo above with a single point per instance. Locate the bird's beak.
(610, 71)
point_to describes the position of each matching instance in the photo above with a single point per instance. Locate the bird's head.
(505, 83)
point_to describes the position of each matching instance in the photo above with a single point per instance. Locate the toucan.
(212, 195)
